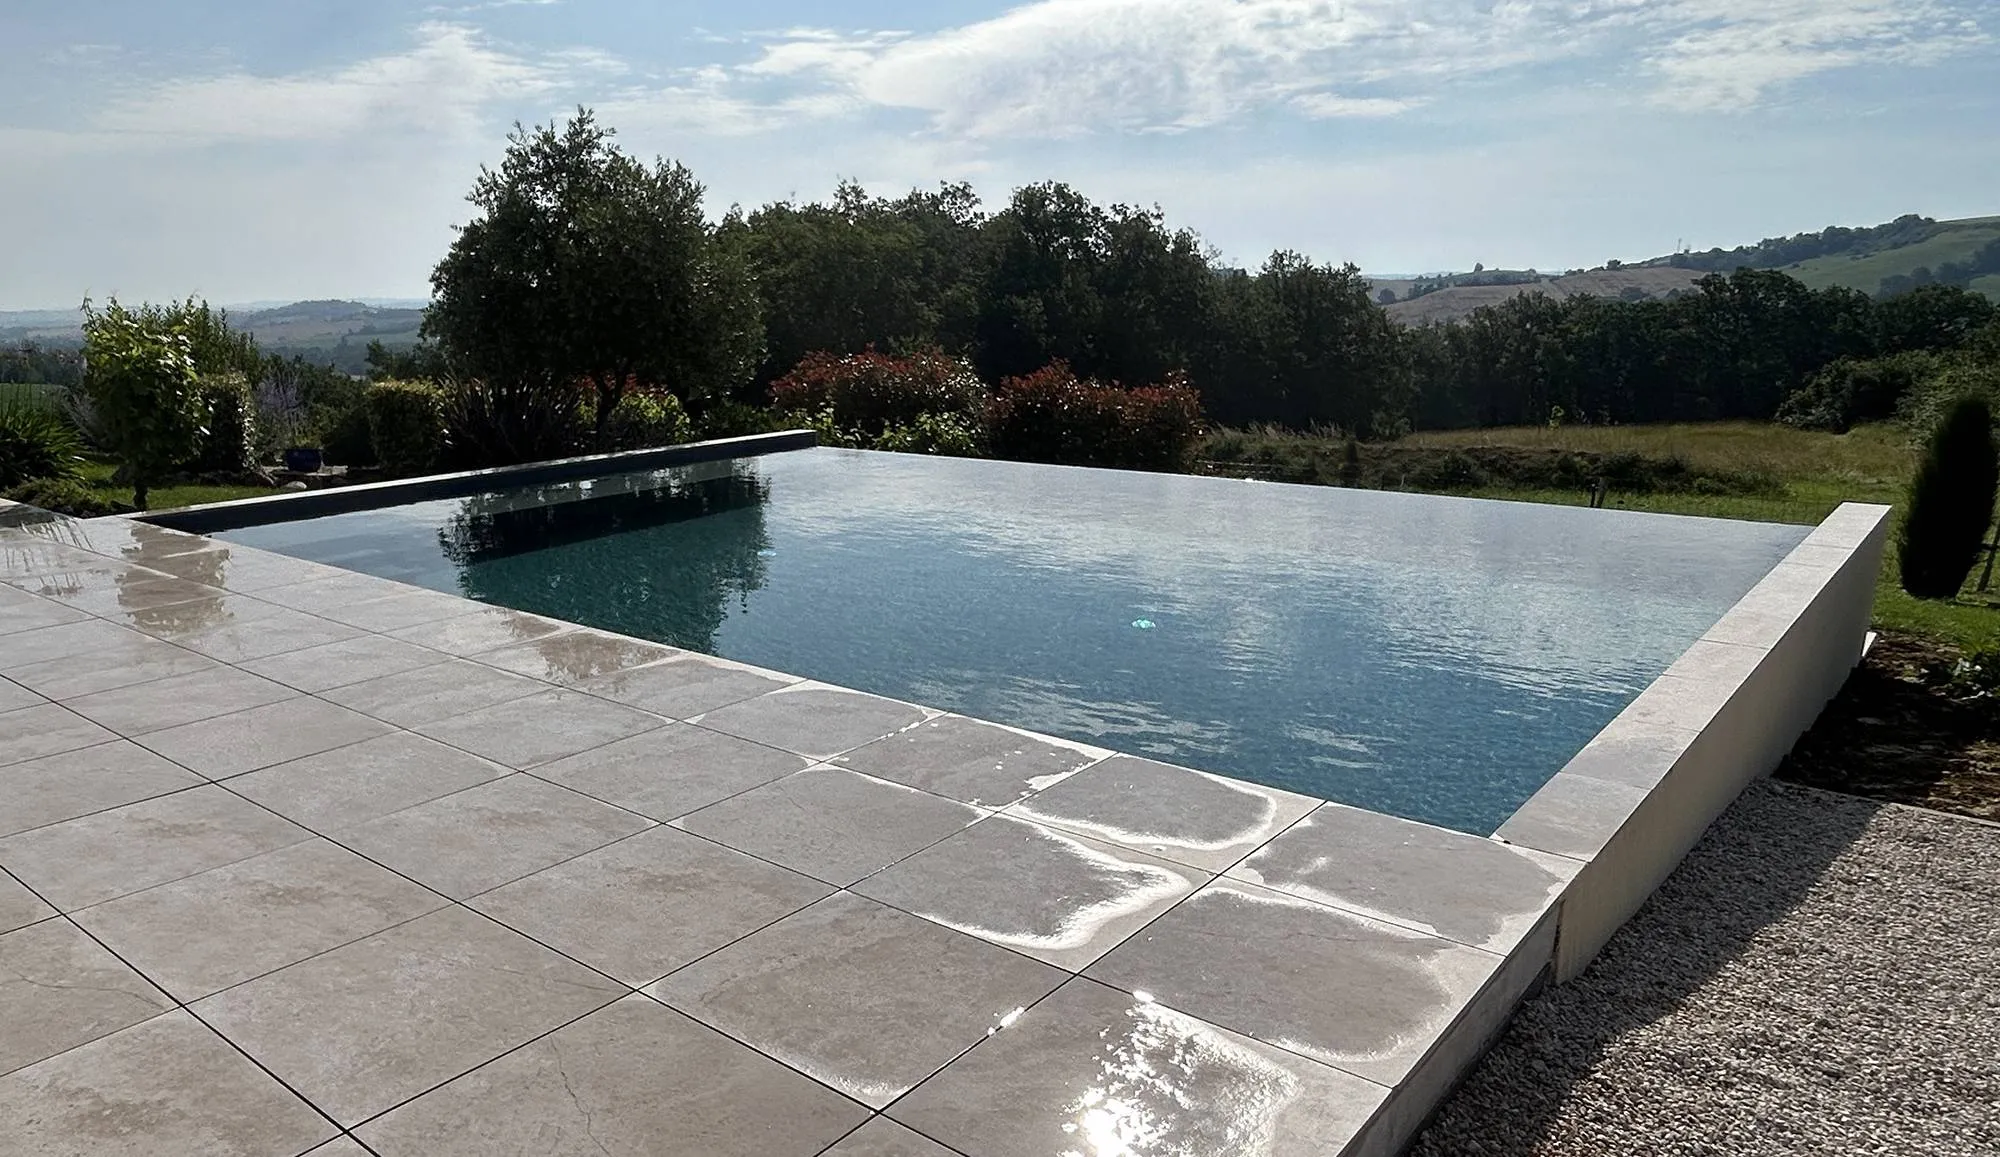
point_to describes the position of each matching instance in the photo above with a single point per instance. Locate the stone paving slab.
(490, 882)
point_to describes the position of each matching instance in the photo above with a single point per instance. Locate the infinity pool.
(1436, 658)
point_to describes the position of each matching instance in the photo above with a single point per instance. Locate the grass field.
(1865, 273)
(1815, 472)
(97, 475)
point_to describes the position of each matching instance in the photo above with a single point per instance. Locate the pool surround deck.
(310, 857)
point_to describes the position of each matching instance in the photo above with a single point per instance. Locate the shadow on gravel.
(1753, 867)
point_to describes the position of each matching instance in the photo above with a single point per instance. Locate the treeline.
(1984, 261)
(1774, 252)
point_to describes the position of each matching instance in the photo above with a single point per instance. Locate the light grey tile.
(133, 541)
(541, 728)
(262, 736)
(1092, 1069)
(430, 693)
(254, 916)
(859, 996)
(68, 642)
(1572, 815)
(89, 660)
(1202, 820)
(62, 989)
(569, 657)
(370, 1024)
(333, 665)
(246, 633)
(1057, 897)
(830, 823)
(669, 772)
(642, 907)
(50, 729)
(354, 784)
(882, 1137)
(1362, 995)
(965, 759)
(407, 609)
(94, 858)
(13, 696)
(683, 687)
(178, 699)
(167, 1087)
(632, 1078)
(129, 592)
(254, 571)
(1632, 752)
(477, 631)
(340, 1147)
(1461, 887)
(32, 612)
(480, 838)
(813, 719)
(337, 590)
(18, 906)
(1695, 687)
(90, 779)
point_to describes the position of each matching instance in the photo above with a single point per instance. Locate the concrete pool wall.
(1326, 973)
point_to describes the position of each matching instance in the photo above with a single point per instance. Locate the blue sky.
(252, 150)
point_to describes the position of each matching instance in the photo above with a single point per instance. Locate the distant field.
(1460, 301)
(1955, 243)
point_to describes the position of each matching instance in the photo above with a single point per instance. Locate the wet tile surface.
(1475, 891)
(255, 916)
(90, 779)
(831, 824)
(167, 1087)
(813, 719)
(882, 1137)
(683, 687)
(178, 699)
(13, 696)
(1051, 895)
(634, 1077)
(575, 656)
(1362, 995)
(332, 665)
(61, 989)
(48, 729)
(637, 909)
(541, 728)
(368, 1025)
(262, 736)
(968, 760)
(1202, 820)
(673, 770)
(18, 906)
(485, 629)
(485, 836)
(354, 784)
(1094, 1070)
(429, 693)
(857, 995)
(97, 857)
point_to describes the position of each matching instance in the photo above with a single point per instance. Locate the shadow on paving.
(1753, 868)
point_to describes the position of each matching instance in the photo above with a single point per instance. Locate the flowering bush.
(1052, 415)
(869, 392)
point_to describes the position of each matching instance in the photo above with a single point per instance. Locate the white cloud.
(442, 84)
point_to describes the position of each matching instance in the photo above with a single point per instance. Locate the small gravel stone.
(1821, 976)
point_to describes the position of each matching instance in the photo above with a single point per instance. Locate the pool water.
(1436, 658)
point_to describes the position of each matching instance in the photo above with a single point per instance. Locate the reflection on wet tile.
(432, 692)
(861, 997)
(1363, 995)
(684, 687)
(1056, 897)
(673, 770)
(1095, 1071)
(331, 665)
(239, 630)
(1206, 821)
(575, 656)
(968, 760)
(1461, 887)
(832, 824)
(542, 728)
(813, 719)
(481, 630)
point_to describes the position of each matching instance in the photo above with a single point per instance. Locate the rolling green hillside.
(1953, 241)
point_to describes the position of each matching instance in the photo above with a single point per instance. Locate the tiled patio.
(298, 860)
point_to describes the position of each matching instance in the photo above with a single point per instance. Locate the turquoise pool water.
(1437, 658)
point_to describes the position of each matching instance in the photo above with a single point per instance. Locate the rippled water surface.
(1437, 658)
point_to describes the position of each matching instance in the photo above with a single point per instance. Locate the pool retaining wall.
(1635, 800)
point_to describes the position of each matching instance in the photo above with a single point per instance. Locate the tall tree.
(587, 266)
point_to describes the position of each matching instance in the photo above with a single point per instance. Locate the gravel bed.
(1821, 976)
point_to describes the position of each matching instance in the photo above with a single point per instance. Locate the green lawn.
(97, 475)
(1957, 242)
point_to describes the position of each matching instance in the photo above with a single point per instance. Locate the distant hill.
(333, 331)
(1630, 283)
(1972, 243)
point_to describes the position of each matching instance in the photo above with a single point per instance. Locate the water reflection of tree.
(663, 563)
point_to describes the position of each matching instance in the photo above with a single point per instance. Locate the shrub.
(869, 392)
(955, 435)
(644, 419)
(1052, 415)
(63, 496)
(228, 440)
(140, 376)
(506, 423)
(36, 442)
(821, 423)
(406, 426)
(730, 419)
(348, 441)
(1951, 501)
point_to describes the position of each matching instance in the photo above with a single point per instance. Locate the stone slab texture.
(295, 860)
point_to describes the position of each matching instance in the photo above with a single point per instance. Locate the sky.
(243, 150)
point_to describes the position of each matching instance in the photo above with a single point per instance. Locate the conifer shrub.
(1951, 501)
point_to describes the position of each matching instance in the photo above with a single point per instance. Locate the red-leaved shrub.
(1052, 415)
(869, 392)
